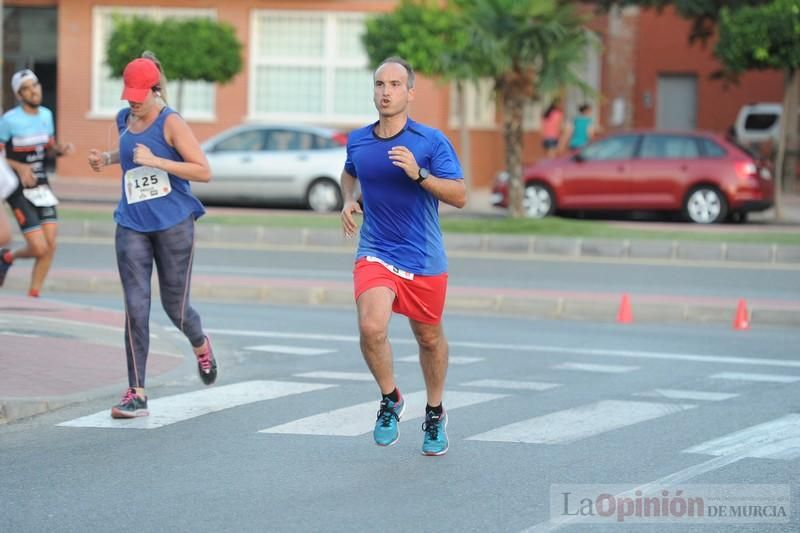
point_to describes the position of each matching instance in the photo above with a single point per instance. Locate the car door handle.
(302, 157)
(247, 159)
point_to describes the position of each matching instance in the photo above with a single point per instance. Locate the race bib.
(146, 183)
(391, 268)
(41, 196)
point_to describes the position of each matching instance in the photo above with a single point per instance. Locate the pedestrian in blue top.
(404, 169)
(155, 219)
(582, 130)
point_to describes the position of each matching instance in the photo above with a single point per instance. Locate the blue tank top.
(159, 213)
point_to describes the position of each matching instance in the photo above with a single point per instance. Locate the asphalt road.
(532, 404)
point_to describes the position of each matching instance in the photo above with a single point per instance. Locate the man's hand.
(25, 173)
(65, 149)
(403, 158)
(97, 160)
(349, 225)
(144, 157)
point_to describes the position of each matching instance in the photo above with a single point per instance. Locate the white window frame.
(480, 102)
(99, 55)
(329, 63)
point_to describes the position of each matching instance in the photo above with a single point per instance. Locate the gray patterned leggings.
(172, 250)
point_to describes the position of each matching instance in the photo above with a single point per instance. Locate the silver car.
(275, 164)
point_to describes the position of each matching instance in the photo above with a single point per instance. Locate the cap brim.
(135, 95)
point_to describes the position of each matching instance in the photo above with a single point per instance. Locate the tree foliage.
(758, 38)
(193, 49)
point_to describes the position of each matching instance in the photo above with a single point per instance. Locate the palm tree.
(527, 47)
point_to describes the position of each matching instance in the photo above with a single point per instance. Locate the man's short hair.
(403, 63)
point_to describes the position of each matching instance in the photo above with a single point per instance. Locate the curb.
(671, 251)
(521, 303)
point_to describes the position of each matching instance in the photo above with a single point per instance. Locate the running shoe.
(3, 265)
(435, 434)
(386, 431)
(207, 365)
(130, 406)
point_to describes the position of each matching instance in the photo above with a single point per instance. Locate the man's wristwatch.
(423, 175)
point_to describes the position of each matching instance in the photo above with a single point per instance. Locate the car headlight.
(502, 177)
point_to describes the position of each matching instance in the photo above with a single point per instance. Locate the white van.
(757, 123)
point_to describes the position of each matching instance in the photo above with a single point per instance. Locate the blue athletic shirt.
(401, 219)
(159, 213)
(26, 138)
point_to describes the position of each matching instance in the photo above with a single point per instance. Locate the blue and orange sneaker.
(4, 265)
(386, 431)
(435, 434)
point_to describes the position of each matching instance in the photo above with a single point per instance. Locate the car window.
(669, 147)
(612, 148)
(282, 140)
(250, 140)
(760, 121)
(712, 149)
(324, 143)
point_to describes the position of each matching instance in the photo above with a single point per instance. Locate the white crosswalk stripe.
(592, 367)
(578, 423)
(776, 439)
(511, 384)
(288, 350)
(180, 407)
(746, 376)
(359, 419)
(693, 395)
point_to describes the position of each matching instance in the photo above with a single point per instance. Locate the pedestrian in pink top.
(552, 120)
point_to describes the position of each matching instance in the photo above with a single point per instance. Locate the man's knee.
(38, 246)
(372, 330)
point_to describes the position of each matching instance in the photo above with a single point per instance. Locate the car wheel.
(323, 196)
(538, 201)
(705, 205)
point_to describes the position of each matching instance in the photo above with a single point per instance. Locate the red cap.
(140, 76)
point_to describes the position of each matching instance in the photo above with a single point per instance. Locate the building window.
(309, 67)
(197, 101)
(480, 103)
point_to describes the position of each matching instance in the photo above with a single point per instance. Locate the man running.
(404, 168)
(28, 137)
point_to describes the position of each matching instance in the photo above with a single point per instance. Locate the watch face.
(423, 173)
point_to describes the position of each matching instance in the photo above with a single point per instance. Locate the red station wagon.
(707, 177)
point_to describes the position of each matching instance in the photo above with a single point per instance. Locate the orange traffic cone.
(625, 315)
(741, 320)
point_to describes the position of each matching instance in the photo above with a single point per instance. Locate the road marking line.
(676, 394)
(776, 439)
(501, 347)
(590, 367)
(288, 350)
(359, 419)
(322, 374)
(570, 425)
(179, 407)
(743, 376)
(453, 359)
(510, 384)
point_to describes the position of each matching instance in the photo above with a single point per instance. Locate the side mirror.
(578, 158)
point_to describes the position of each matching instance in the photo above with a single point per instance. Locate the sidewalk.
(54, 354)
